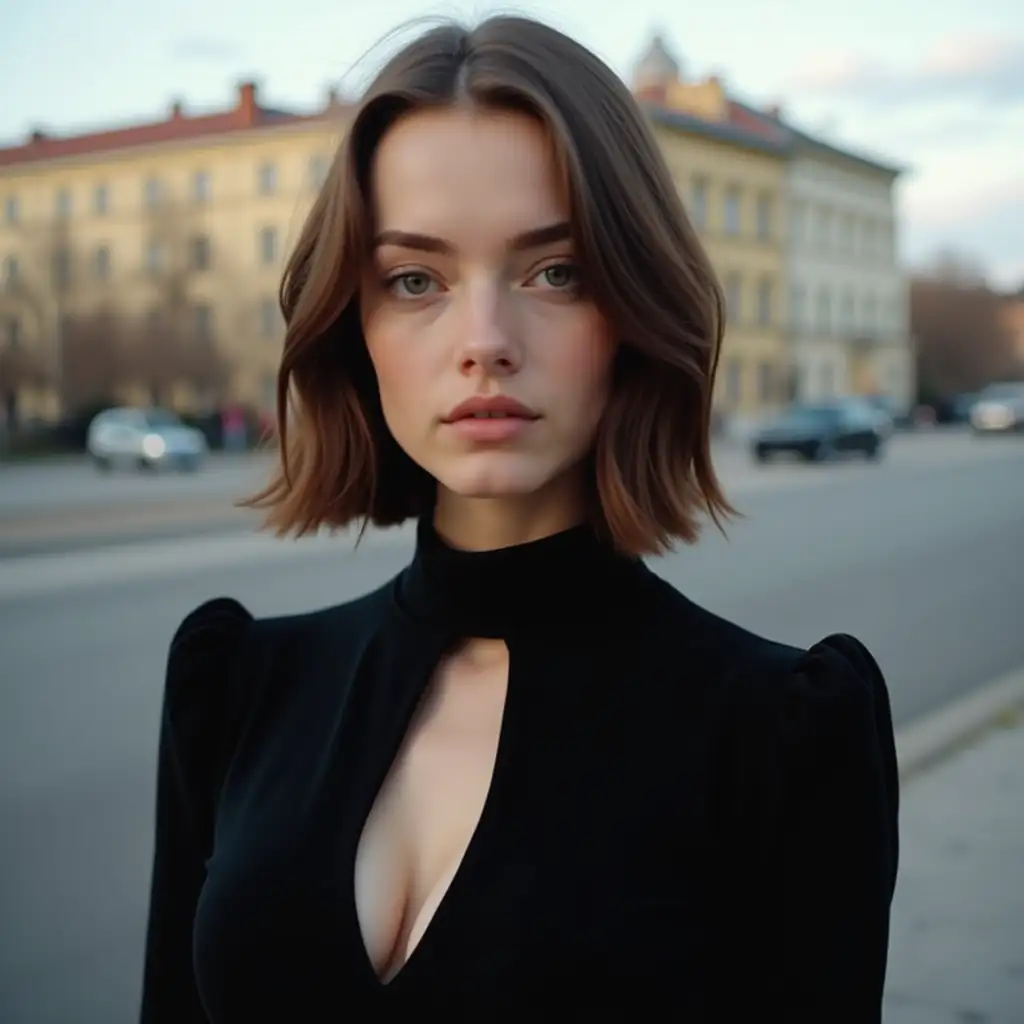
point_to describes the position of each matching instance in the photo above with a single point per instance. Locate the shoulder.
(221, 640)
(833, 676)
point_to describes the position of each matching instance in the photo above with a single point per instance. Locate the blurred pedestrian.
(526, 775)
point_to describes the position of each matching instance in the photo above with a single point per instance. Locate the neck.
(486, 524)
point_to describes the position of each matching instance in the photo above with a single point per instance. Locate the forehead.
(468, 175)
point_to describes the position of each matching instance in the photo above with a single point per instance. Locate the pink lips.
(490, 419)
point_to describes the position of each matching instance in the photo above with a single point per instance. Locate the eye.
(559, 276)
(410, 285)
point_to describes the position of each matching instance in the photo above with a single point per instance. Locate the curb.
(937, 735)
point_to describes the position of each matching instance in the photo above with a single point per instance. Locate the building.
(827, 215)
(849, 319)
(142, 263)
(147, 259)
(731, 170)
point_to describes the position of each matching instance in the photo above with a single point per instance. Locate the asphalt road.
(921, 556)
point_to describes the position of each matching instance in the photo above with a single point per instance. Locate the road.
(921, 556)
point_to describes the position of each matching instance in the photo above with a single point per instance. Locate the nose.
(488, 344)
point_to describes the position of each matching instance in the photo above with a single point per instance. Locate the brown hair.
(652, 471)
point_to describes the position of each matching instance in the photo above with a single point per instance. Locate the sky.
(941, 93)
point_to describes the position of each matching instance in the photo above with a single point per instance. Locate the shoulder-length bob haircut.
(653, 480)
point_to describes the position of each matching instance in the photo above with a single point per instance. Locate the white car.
(998, 409)
(133, 438)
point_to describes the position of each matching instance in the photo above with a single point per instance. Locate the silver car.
(998, 409)
(133, 438)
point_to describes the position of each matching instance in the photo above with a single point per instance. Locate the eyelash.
(573, 288)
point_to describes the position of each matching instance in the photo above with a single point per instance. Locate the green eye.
(412, 285)
(560, 276)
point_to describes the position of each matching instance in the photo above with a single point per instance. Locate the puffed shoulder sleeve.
(199, 706)
(827, 789)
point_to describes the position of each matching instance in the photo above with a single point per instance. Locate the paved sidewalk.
(957, 948)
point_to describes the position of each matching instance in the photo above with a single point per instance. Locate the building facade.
(731, 172)
(143, 264)
(849, 296)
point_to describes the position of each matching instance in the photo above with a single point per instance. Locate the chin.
(495, 477)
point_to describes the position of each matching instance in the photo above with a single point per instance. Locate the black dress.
(686, 821)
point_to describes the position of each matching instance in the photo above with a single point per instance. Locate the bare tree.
(176, 341)
(961, 334)
(95, 365)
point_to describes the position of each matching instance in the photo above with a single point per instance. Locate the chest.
(523, 834)
(429, 806)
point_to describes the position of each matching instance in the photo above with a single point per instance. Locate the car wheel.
(824, 452)
(102, 463)
(874, 452)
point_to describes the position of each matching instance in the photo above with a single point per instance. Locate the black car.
(821, 431)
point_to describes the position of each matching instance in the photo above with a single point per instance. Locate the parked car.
(821, 431)
(133, 438)
(998, 409)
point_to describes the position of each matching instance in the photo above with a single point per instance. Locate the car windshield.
(808, 416)
(157, 418)
(1008, 390)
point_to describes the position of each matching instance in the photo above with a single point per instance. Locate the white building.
(848, 296)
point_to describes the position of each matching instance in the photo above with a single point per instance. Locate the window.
(270, 316)
(848, 314)
(12, 332)
(152, 193)
(869, 315)
(63, 204)
(12, 270)
(318, 168)
(267, 180)
(765, 382)
(732, 211)
(154, 257)
(798, 222)
(764, 302)
(764, 217)
(12, 210)
(699, 203)
(827, 382)
(62, 268)
(734, 382)
(268, 246)
(824, 229)
(101, 263)
(823, 311)
(202, 323)
(734, 297)
(199, 252)
(101, 200)
(201, 187)
(797, 309)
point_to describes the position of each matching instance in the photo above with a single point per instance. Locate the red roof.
(246, 115)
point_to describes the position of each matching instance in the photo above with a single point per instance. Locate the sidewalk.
(957, 946)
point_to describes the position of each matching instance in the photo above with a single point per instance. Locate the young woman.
(526, 776)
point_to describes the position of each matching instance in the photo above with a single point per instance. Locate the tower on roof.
(657, 68)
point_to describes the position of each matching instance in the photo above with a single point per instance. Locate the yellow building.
(730, 169)
(143, 263)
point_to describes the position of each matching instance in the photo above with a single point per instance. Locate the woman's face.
(474, 294)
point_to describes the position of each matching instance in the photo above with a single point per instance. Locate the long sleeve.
(198, 710)
(822, 804)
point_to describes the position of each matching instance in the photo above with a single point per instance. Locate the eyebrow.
(534, 239)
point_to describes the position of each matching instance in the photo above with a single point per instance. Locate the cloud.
(981, 68)
(203, 49)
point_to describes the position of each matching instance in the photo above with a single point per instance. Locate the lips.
(495, 408)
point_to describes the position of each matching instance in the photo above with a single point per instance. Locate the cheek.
(584, 370)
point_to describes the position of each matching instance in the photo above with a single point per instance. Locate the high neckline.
(569, 575)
